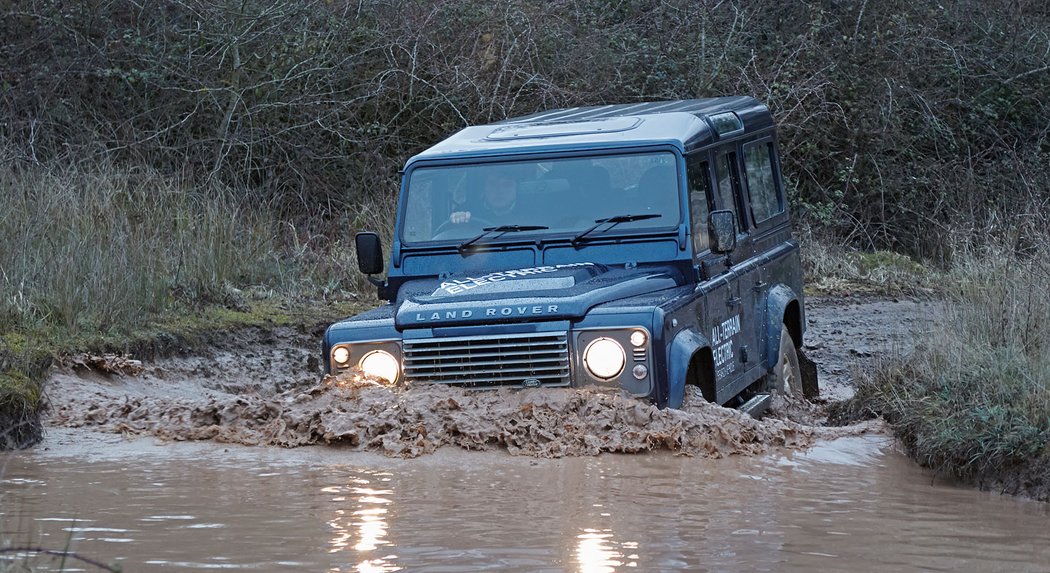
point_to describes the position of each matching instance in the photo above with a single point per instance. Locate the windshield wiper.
(501, 230)
(613, 221)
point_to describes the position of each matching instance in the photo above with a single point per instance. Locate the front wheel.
(786, 378)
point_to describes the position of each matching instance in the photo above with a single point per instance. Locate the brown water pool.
(850, 504)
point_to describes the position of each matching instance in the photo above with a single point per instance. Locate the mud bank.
(21, 428)
(356, 412)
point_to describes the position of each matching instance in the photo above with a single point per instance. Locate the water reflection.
(360, 522)
(596, 553)
(487, 512)
(372, 528)
(600, 527)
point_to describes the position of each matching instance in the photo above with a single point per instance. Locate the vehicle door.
(733, 337)
(714, 286)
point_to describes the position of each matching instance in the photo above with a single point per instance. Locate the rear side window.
(699, 203)
(728, 186)
(766, 198)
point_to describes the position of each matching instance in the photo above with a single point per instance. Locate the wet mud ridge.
(267, 392)
(412, 421)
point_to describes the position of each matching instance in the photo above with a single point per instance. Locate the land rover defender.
(643, 246)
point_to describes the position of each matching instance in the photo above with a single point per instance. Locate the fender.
(679, 353)
(777, 300)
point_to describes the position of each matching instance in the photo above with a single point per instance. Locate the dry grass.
(833, 266)
(95, 255)
(100, 248)
(973, 399)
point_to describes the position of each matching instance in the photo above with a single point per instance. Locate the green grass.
(23, 368)
(972, 400)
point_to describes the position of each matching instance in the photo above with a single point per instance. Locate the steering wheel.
(474, 222)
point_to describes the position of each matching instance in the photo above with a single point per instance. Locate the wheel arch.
(701, 372)
(688, 354)
(783, 308)
(793, 321)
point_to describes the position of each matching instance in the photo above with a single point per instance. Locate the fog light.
(604, 358)
(341, 354)
(640, 371)
(638, 338)
(380, 364)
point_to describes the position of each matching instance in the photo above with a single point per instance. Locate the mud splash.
(262, 389)
(353, 411)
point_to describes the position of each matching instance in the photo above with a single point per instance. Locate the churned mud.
(408, 422)
(263, 389)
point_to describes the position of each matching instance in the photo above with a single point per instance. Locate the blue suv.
(640, 246)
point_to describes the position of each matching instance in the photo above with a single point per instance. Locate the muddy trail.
(263, 389)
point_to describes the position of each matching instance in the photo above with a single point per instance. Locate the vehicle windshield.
(455, 203)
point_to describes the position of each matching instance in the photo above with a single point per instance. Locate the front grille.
(503, 360)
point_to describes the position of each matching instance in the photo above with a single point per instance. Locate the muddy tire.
(786, 377)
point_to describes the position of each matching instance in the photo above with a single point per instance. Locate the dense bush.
(903, 121)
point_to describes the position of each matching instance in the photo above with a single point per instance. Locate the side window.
(729, 186)
(766, 199)
(698, 173)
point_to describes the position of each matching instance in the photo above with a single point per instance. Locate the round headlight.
(380, 364)
(604, 358)
(341, 354)
(638, 338)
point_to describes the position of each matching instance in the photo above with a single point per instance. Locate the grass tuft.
(94, 249)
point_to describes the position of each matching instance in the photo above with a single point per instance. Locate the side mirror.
(723, 230)
(369, 253)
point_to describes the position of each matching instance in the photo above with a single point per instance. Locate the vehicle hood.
(514, 295)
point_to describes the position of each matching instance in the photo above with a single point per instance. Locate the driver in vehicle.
(499, 198)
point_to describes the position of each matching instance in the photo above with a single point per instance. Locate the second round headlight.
(604, 358)
(381, 364)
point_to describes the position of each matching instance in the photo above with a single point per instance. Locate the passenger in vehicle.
(499, 198)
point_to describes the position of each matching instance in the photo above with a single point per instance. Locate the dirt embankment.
(263, 389)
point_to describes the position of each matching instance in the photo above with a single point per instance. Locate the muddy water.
(262, 390)
(852, 503)
(354, 411)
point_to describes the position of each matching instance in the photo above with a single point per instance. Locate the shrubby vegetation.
(904, 122)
